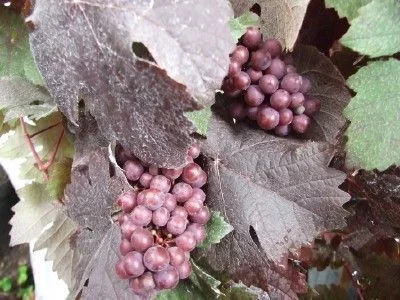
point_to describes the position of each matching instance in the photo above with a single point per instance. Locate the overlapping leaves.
(276, 193)
(345, 8)
(376, 30)
(14, 146)
(22, 98)
(32, 214)
(133, 100)
(279, 19)
(15, 56)
(329, 86)
(89, 202)
(376, 202)
(58, 242)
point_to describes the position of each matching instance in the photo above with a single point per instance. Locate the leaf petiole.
(44, 129)
(28, 137)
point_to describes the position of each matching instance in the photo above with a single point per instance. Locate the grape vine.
(104, 108)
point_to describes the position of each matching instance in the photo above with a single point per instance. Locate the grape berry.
(266, 88)
(162, 221)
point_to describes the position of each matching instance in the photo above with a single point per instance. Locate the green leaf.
(200, 119)
(240, 24)
(346, 8)
(14, 147)
(56, 240)
(200, 285)
(59, 177)
(216, 228)
(23, 98)
(5, 285)
(15, 54)
(373, 135)
(1, 122)
(239, 291)
(22, 274)
(184, 291)
(31, 214)
(205, 282)
(26, 293)
(280, 19)
(376, 31)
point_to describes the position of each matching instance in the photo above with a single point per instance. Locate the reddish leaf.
(89, 202)
(375, 206)
(329, 87)
(277, 193)
(381, 190)
(104, 282)
(84, 51)
(280, 19)
(379, 276)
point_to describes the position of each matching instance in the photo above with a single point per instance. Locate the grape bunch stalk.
(163, 219)
(266, 88)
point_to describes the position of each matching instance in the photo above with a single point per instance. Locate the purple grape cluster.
(163, 219)
(266, 87)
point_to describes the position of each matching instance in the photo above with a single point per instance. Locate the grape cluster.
(266, 87)
(163, 219)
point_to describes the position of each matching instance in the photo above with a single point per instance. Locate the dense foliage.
(80, 80)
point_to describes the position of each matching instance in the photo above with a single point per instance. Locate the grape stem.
(163, 242)
(44, 167)
(166, 243)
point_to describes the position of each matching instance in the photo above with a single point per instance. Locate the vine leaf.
(375, 34)
(241, 291)
(240, 24)
(133, 100)
(200, 285)
(184, 291)
(205, 282)
(329, 87)
(22, 98)
(201, 119)
(14, 148)
(89, 202)
(277, 194)
(31, 214)
(217, 228)
(377, 208)
(373, 112)
(3, 128)
(280, 19)
(381, 273)
(15, 56)
(59, 177)
(58, 240)
(104, 282)
(346, 9)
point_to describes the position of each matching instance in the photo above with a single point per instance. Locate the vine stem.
(161, 241)
(28, 138)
